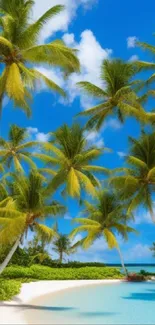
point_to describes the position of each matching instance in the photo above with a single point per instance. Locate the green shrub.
(40, 272)
(8, 289)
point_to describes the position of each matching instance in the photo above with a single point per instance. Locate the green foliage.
(105, 216)
(39, 272)
(118, 97)
(62, 245)
(29, 205)
(71, 155)
(135, 184)
(16, 150)
(19, 50)
(9, 289)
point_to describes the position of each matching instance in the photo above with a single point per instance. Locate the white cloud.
(93, 254)
(131, 41)
(90, 61)
(42, 137)
(139, 251)
(62, 21)
(69, 39)
(95, 138)
(91, 55)
(134, 58)
(143, 217)
(36, 135)
(67, 216)
(121, 154)
(113, 124)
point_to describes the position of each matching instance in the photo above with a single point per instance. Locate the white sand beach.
(12, 312)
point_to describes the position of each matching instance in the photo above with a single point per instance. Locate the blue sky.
(99, 29)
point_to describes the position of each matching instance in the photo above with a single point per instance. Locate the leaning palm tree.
(17, 150)
(105, 217)
(136, 182)
(116, 96)
(62, 246)
(20, 52)
(28, 206)
(71, 154)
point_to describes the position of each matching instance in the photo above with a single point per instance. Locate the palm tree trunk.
(122, 260)
(9, 256)
(153, 216)
(61, 257)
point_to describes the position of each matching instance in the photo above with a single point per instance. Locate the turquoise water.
(119, 303)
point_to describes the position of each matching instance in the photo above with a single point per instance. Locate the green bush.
(74, 264)
(39, 272)
(8, 289)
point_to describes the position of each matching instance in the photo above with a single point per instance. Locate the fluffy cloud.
(67, 216)
(91, 55)
(93, 254)
(143, 217)
(112, 124)
(134, 58)
(138, 252)
(36, 135)
(121, 154)
(69, 39)
(60, 22)
(131, 41)
(95, 138)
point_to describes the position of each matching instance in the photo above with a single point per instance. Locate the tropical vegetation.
(105, 216)
(117, 95)
(67, 165)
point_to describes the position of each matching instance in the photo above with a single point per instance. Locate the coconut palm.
(148, 66)
(28, 206)
(20, 51)
(72, 155)
(105, 217)
(62, 246)
(116, 95)
(136, 183)
(16, 149)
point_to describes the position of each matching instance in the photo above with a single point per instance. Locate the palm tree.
(136, 183)
(29, 205)
(20, 51)
(148, 66)
(72, 155)
(15, 150)
(116, 96)
(62, 245)
(105, 216)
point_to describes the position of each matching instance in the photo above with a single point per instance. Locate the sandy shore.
(12, 312)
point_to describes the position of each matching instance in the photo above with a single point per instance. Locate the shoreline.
(12, 311)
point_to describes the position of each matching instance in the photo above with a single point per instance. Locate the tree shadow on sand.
(36, 307)
(97, 313)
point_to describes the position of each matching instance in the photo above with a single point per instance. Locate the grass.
(13, 276)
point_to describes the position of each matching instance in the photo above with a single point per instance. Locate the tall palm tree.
(62, 245)
(116, 97)
(20, 51)
(136, 183)
(148, 66)
(16, 149)
(71, 154)
(28, 206)
(105, 217)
